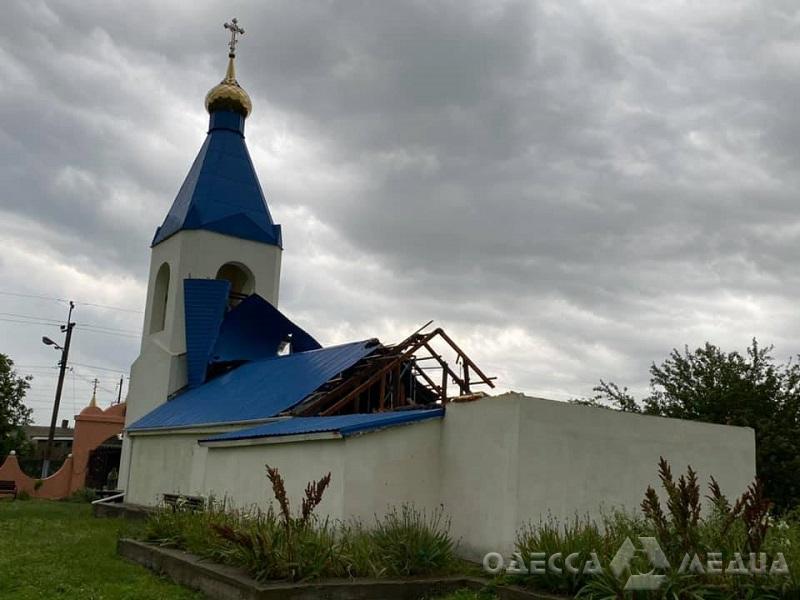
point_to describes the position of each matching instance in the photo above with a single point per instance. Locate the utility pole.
(67, 329)
(119, 391)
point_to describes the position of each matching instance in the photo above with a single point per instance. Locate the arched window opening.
(160, 297)
(241, 279)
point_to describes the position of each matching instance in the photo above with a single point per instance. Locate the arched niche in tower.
(158, 314)
(242, 281)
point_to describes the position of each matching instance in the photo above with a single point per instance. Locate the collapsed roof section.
(254, 391)
(247, 363)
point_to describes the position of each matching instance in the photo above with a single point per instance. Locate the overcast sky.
(570, 188)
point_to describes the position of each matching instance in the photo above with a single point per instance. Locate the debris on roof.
(409, 374)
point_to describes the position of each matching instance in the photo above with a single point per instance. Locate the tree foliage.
(750, 390)
(13, 412)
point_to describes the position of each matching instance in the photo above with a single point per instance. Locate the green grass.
(57, 550)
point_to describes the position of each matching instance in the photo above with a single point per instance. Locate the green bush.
(411, 542)
(275, 545)
(678, 524)
(23, 495)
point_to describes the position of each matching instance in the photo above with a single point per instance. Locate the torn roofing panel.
(256, 390)
(344, 425)
(254, 329)
(205, 301)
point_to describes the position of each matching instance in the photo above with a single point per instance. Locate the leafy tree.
(13, 413)
(749, 390)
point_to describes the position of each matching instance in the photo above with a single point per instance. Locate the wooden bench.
(8, 488)
(183, 502)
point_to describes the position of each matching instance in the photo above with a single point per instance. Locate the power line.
(122, 335)
(28, 322)
(99, 368)
(64, 300)
(93, 326)
(8, 314)
(79, 324)
(54, 324)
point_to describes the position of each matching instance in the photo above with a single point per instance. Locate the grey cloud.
(574, 189)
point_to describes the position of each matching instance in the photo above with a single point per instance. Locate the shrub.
(550, 537)
(743, 526)
(277, 544)
(411, 542)
(23, 495)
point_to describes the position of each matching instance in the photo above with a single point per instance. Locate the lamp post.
(67, 329)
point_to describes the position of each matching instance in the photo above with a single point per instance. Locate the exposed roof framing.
(406, 375)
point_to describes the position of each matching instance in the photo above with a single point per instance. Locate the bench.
(9, 488)
(183, 502)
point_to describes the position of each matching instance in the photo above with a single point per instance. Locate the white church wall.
(494, 464)
(513, 459)
(369, 473)
(200, 254)
(239, 472)
(391, 467)
(162, 464)
(480, 442)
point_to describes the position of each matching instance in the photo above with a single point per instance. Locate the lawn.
(56, 550)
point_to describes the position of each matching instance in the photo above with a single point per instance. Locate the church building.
(225, 383)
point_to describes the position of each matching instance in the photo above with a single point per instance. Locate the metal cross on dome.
(234, 28)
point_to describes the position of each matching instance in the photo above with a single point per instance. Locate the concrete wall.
(239, 473)
(390, 467)
(512, 459)
(369, 472)
(495, 464)
(163, 464)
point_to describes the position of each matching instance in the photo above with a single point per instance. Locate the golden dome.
(228, 94)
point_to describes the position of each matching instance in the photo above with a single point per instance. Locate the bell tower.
(219, 227)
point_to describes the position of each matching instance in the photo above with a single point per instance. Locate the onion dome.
(228, 94)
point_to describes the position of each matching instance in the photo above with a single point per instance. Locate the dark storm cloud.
(571, 188)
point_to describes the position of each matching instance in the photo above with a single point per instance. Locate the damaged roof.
(256, 390)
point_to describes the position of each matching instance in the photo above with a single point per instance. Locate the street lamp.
(48, 342)
(67, 329)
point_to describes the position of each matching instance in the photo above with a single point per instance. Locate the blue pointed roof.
(221, 192)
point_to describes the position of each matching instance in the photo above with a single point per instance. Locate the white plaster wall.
(369, 472)
(160, 464)
(494, 464)
(479, 468)
(239, 473)
(392, 467)
(513, 459)
(199, 254)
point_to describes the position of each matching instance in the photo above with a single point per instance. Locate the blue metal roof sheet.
(255, 329)
(221, 192)
(344, 425)
(256, 390)
(204, 304)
